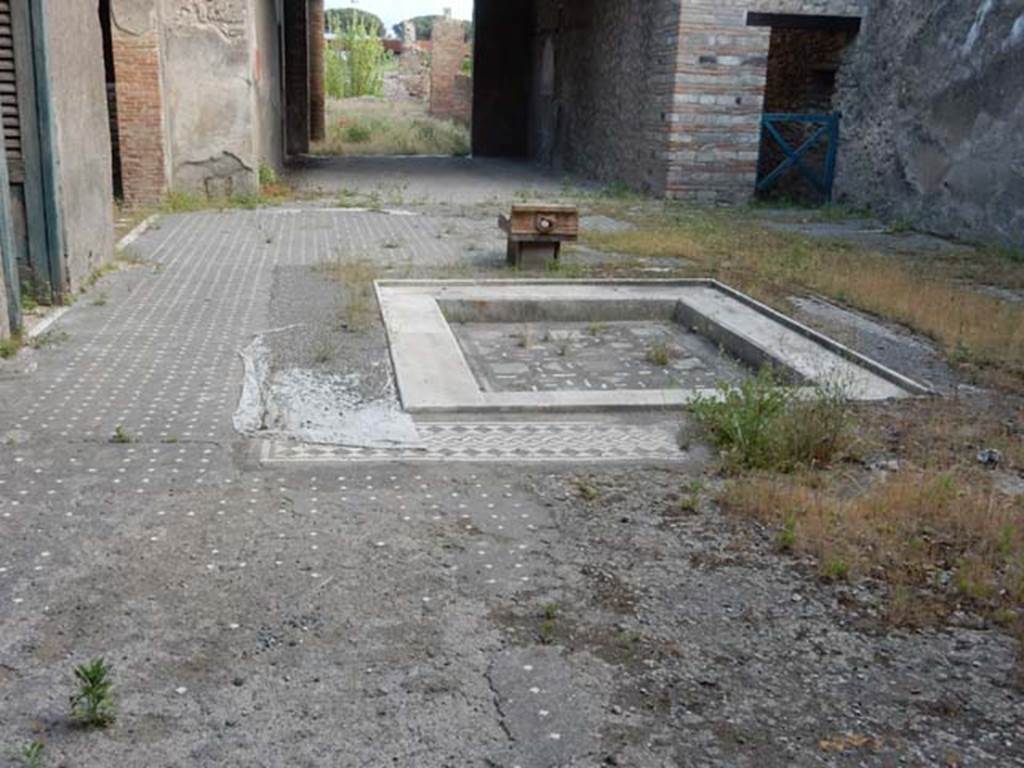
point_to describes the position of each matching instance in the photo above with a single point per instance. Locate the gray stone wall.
(208, 95)
(932, 96)
(267, 105)
(809, 7)
(78, 87)
(602, 79)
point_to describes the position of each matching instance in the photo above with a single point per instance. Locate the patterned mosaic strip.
(504, 442)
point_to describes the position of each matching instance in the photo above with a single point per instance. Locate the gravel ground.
(402, 614)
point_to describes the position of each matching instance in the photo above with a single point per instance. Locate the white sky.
(394, 11)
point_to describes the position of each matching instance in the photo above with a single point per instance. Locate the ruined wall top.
(810, 7)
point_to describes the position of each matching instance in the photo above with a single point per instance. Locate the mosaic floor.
(535, 357)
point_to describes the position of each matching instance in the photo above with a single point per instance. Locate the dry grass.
(372, 126)
(940, 531)
(356, 276)
(925, 295)
(950, 535)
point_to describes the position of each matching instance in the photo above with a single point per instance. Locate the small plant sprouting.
(786, 540)
(690, 502)
(835, 569)
(549, 623)
(32, 754)
(93, 703)
(524, 340)
(659, 354)
(100, 300)
(120, 436)
(587, 490)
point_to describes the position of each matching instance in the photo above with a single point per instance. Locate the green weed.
(762, 424)
(31, 755)
(120, 436)
(659, 354)
(549, 623)
(93, 703)
(10, 346)
(587, 490)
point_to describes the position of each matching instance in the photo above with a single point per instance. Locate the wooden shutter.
(9, 97)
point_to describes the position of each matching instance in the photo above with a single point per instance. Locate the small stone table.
(536, 232)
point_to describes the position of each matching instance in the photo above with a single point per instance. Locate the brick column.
(447, 50)
(317, 119)
(140, 115)
(715, 118)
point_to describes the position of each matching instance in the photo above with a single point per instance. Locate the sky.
(394, 11)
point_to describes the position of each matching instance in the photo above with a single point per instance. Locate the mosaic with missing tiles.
(539, 357)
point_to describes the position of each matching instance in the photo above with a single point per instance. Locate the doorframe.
(43, 220)
(8, 258)
(49, 157)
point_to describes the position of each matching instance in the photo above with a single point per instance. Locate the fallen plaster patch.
(138, 231)
(313, 407)
(327, 409)
(47, 322)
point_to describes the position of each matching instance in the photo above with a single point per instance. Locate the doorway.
(801, 126)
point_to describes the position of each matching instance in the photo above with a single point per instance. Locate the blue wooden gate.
(796, 158)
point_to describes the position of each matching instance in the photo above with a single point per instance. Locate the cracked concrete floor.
(414, 615)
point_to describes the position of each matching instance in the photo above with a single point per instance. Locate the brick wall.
(718, 94)
(140, 116)
(447, 52)
(602, 85)
(462, 99)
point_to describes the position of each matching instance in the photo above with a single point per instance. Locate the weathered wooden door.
(18, 101)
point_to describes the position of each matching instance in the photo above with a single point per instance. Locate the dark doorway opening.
(111, 80)
(804, 60)
(503, 73)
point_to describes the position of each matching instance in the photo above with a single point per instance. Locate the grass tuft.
(370, 126)
(949, 533)
(356, 277)
(31, 754)
(10, 346)
(762, 424)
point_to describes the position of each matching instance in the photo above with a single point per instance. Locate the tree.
(340, 19)
(425, 27)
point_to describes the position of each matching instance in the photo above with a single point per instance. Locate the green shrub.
(268, 175)
(762, 424)
(335, 74)
(355, 62)
(358, 133)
